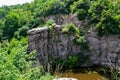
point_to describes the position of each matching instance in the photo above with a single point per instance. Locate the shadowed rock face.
(102, 50)
(51, 44)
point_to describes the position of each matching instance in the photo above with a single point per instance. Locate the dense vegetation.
(16, 20)
(15, 64)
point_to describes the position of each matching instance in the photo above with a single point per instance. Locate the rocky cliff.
(49, 43)
(103, 50)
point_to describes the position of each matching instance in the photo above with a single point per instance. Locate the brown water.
(82, 76)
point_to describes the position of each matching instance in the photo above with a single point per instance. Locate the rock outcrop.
(103, 50)
(51, 44)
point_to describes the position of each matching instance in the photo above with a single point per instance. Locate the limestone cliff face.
(105, 49)
(102, 50)
(49, 43)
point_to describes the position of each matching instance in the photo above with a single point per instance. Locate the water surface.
(82, 76)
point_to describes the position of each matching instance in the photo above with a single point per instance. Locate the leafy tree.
(15, 20)
(21, 32)
(105, 15)
(47, 7)
(3, 13)
(81, 8)
(15, 64)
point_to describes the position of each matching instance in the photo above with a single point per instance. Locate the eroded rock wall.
(102, 50)
(51, 43)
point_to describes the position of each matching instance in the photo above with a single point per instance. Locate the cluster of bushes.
(15, 64)
(102, 14)
(72, 61)
(16, 20)
(71, 29)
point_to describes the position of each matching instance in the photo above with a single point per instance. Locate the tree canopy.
(15, 20)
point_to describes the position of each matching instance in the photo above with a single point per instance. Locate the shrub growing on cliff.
(79, 39)
(50, 22)
(71, 29)
(72, 61)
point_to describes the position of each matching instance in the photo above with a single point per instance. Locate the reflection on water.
(82, 76)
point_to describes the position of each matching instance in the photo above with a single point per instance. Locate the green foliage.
(105, 16)
(47, 77)
(81, 8)
(108, 24)
(79, 39)
(18, 19)
(21, 32)
(68, 3)
(16, 43)
(1, 28)
(80, 4)
(72, 61)
(47, 7)
(71, 29)
(15, 20)
(3, 13)
(81, 14)
(15, 64)
(50, 22)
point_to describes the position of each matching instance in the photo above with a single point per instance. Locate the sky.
(13, 2)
